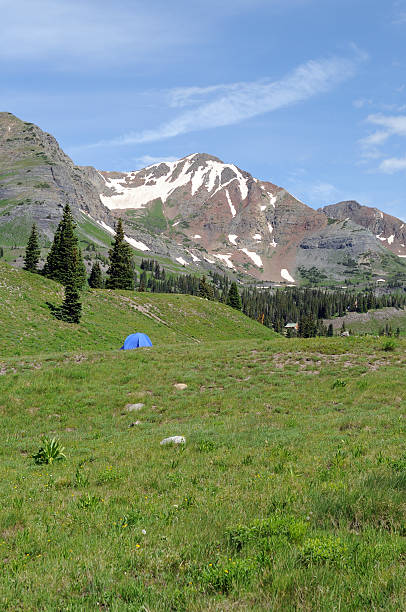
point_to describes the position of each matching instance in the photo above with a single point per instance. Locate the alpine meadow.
(203, 306)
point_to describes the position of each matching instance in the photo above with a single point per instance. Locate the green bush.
(289, 527)
(323, 549)
(225, 576)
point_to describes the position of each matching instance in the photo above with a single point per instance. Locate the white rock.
(174, 440)
(134, 407)
(180, 386)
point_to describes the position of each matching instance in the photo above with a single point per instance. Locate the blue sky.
(308, 94)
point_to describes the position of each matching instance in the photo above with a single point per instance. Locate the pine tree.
(96, 279)
(64, 262)
(121, 270)
(71, 308)
(32, 252)
(233, 298)
(205, 289)
(143, 281)
(330, 331)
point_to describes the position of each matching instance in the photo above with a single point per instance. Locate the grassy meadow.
(288, 495)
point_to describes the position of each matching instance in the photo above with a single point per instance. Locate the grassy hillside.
(27, 326)
(289, 494)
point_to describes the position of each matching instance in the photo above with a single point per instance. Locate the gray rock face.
(389, 230)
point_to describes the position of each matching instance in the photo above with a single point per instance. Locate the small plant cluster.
(50, 451)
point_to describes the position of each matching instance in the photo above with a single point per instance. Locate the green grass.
(27, 326)
(289, 494)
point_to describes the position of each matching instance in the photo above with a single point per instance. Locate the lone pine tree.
(233, 298)
(71, 308)
(121, 269)
(32, 252)
(64, 262)
(96, 279)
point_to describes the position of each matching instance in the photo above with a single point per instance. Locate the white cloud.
(394, 124)
(391, 125)
(241, 101)
(149, 160)
(393, 164)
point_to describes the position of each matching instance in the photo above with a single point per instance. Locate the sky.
(307, 94)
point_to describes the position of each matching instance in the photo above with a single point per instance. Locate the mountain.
(389, 230)
(197, 212)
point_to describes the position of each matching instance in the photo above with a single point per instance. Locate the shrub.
(206, 446)
(389, 345)
(87, 501)
(225, 576)
(50, 451)
(323, 549)
(289, 527)
(337, 384)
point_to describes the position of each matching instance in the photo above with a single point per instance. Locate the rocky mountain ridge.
(198, 211)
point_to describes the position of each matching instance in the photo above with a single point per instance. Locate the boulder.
(134, 407)
(174, 440)
(180, 386)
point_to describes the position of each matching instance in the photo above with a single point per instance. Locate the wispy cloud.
(222, 105)
(393, 164)
(390, 125)
(149, 160)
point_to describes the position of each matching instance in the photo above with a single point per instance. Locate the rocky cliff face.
(37, 179)
(387, 229)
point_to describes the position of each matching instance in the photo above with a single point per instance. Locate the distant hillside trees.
(233, 298)
(121, 268)
(64, 262)
(32, 251)
(96, 278)
(205, 289)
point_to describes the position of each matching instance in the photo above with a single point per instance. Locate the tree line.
(308, 308)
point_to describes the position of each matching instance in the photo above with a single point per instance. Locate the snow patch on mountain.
(226, 259)
(254, 256)
(182, 261)
(285, 274)
(232, 238)
(233, 211)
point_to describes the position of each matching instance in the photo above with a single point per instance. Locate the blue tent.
(134, 341)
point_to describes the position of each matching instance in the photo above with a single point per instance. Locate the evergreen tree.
(233, 298)
(206, 289)
(143, 281)
(32, 252)
(64, 262)
(121, 270)
(96, 279)
(71, 308)
(330, 331)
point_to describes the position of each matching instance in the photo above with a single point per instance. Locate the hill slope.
(27, 326)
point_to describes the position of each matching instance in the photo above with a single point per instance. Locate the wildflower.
(137, 546)
(144, 531)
